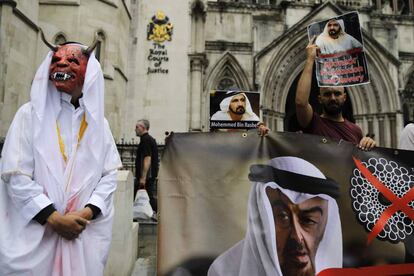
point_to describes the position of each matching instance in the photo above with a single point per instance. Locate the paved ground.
(147, 250)
(145, 267)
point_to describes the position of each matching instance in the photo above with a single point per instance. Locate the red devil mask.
(67, 69)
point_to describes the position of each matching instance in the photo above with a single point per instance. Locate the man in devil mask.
(58, 171)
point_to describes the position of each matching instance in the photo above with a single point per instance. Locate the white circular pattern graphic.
(369, 204)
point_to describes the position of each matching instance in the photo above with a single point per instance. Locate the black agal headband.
(294, 181)
(233, 93)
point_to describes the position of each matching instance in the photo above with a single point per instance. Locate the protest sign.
(341, 59)
(234, 109)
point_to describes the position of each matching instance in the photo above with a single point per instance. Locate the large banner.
(341, 60)
(283, 204)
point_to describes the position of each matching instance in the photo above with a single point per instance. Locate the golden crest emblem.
(160, 28)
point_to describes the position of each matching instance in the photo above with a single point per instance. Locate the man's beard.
(293, 267)
(333, 108)
(239, 110)
(333, 32)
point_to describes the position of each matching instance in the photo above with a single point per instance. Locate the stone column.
(387, 131)
(197, 62)
(280, 123)
(378, 2)
(267, 117)
(381, 137)
(395, 6)
(393, 130)
(399, 125)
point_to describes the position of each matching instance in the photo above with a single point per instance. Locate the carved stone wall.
(251, 44)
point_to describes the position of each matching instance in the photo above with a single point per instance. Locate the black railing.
(127, 151)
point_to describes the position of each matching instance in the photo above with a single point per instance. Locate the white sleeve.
(102, 195)
(27, 195)
(18, 166)
(407, 138)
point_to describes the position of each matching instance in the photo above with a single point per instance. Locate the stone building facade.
(22, 50)
(166, 75)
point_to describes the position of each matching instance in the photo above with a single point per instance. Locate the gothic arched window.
(100, 47)
(60, 39)
(226, 81)
(225, 84)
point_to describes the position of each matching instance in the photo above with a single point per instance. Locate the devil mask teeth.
(61, 76)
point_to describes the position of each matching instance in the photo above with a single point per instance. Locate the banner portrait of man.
(290, 207)
(311, 206)
(234, 109)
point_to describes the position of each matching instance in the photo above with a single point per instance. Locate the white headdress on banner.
(256, 254)
(225, 103)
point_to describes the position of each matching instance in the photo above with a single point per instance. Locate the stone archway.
(227, 67)
(408, 98)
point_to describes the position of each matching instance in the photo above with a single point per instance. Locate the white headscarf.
(44, 94)
(407, 138)
(225, 104)
(256, 255)
(45, 101)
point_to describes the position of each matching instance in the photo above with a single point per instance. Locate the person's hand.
(366, 143)
(142, 183)
(312, 49)
(262, 129)
(85, 213)
(68, 226)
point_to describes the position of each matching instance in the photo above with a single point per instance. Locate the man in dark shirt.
(146, 162)
(330, 123)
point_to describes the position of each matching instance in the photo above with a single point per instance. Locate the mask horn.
(52, 47)
(89, 50)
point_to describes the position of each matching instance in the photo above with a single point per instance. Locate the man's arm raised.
(304, 111)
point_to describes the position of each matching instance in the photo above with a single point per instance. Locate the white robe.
(256, 254)
(407, 138)
(34, 175)
(225, 116)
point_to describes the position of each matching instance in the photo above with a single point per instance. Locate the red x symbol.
(397, 204)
